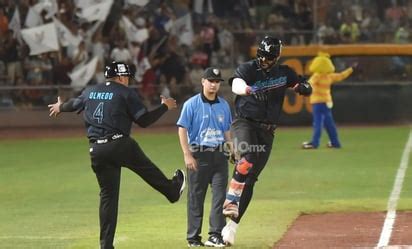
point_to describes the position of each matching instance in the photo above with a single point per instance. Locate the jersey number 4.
(98, 113)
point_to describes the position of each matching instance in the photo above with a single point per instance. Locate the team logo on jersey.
(220, 118)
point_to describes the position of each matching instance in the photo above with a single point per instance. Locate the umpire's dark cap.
(212, 73)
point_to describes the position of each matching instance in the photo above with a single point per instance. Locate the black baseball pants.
(107, 160)
(254, 143)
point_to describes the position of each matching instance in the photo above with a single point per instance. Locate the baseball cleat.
(179, 180)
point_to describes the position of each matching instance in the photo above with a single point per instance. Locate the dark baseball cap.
(212, 73)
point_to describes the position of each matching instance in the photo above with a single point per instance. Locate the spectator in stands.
(226, 41)
(3, 75)
(99, 48)
(408, 11)
(394, 14)
(148, 79)
(175, 72)
(370, 26)
(78, 33)
(34, 69)
(326, 34)
(47, 68)
(18, 95)
(304, 22)
(80, 55)
(285, 9)
(202, 8)
(60, 71)
(242, 11)
(349, 30)
(155, 45)
(356, 9)
(154, 58)
(121, 53)
(4, 22)
(402, 34)
(336, 13)
(275, 22)
(11, 58)
(208, 37)
(399, 63)
(162, 16)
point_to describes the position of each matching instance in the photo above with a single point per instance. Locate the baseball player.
(109, 110)
(204, 126)
(260, 86)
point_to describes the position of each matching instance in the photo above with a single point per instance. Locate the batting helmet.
(269, 48)
(117, 69)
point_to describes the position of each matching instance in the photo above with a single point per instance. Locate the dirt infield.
(345, 230)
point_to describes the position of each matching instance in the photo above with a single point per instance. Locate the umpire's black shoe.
(195, 243)
(179, 180)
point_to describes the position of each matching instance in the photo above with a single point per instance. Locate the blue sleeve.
(186, 116)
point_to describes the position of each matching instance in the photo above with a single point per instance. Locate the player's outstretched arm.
(73, 104)
(54, 109)
(150, 117)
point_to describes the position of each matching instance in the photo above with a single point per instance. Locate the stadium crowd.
(166, 40)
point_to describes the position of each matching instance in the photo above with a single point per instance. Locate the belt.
(106, 139)
(203, 148)
(265, 126)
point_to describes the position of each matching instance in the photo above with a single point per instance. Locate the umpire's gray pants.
(213, 169)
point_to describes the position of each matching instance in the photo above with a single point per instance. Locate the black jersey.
(279, 78)
(109, 108)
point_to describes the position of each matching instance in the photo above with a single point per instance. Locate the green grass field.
(49, 194)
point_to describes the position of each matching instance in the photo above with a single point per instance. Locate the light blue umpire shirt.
(206, 121)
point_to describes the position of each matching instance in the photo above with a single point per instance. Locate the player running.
(260, 86)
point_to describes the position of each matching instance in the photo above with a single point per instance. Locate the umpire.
(260, 86)
(109, 110)
(204, 126)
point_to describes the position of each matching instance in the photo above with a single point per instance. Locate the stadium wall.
(353, 104)
(356, 104)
